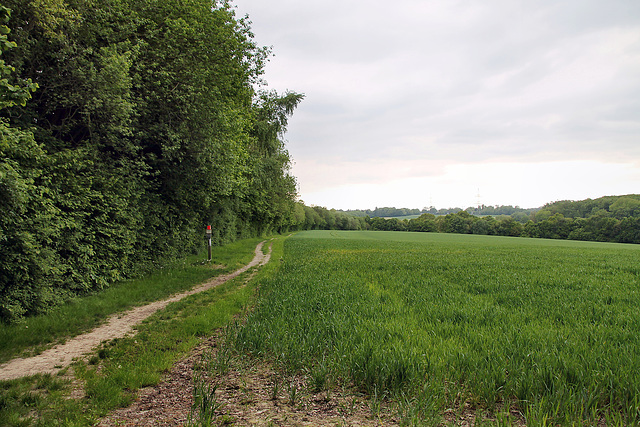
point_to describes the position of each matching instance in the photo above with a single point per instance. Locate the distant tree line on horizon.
(390, 212)
(606, 219)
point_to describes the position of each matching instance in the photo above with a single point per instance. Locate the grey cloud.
(457, 80)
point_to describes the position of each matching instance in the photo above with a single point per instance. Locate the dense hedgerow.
(143, 128)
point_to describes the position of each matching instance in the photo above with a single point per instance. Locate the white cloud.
(458, 185)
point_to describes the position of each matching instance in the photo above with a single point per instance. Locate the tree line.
(607, 219)
(126, 126)
(390, 212)
(321, 218)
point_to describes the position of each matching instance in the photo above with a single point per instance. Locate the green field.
(402, 217)
(547, 328)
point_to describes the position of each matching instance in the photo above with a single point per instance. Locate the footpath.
(118, 325)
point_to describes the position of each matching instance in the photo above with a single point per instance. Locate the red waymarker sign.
(209, 237)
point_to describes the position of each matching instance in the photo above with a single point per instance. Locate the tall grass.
(551, 327)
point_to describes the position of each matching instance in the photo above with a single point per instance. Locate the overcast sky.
(415, 103)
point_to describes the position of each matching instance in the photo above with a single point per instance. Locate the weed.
(319, 377)
(275, 386)
(205, 402)
(293, 392)
(218, 363)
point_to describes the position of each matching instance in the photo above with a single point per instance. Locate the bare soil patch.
(249, 392)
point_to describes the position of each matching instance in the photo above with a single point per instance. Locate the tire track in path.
(117, 326)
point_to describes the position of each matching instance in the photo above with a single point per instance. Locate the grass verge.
(122, 366)
(79, 315)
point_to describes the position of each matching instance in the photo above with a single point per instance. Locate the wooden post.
(209, 237)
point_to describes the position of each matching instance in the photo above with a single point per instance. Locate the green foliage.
(614, 206)
(146, 128)
(272, 190)
(27, 210)
(479, 320)
(483, 210)
(11, 94)
(320, 218)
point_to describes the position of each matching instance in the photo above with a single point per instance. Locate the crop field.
(402, 217)
(547, 329)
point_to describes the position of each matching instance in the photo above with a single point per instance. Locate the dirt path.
(116, 326)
